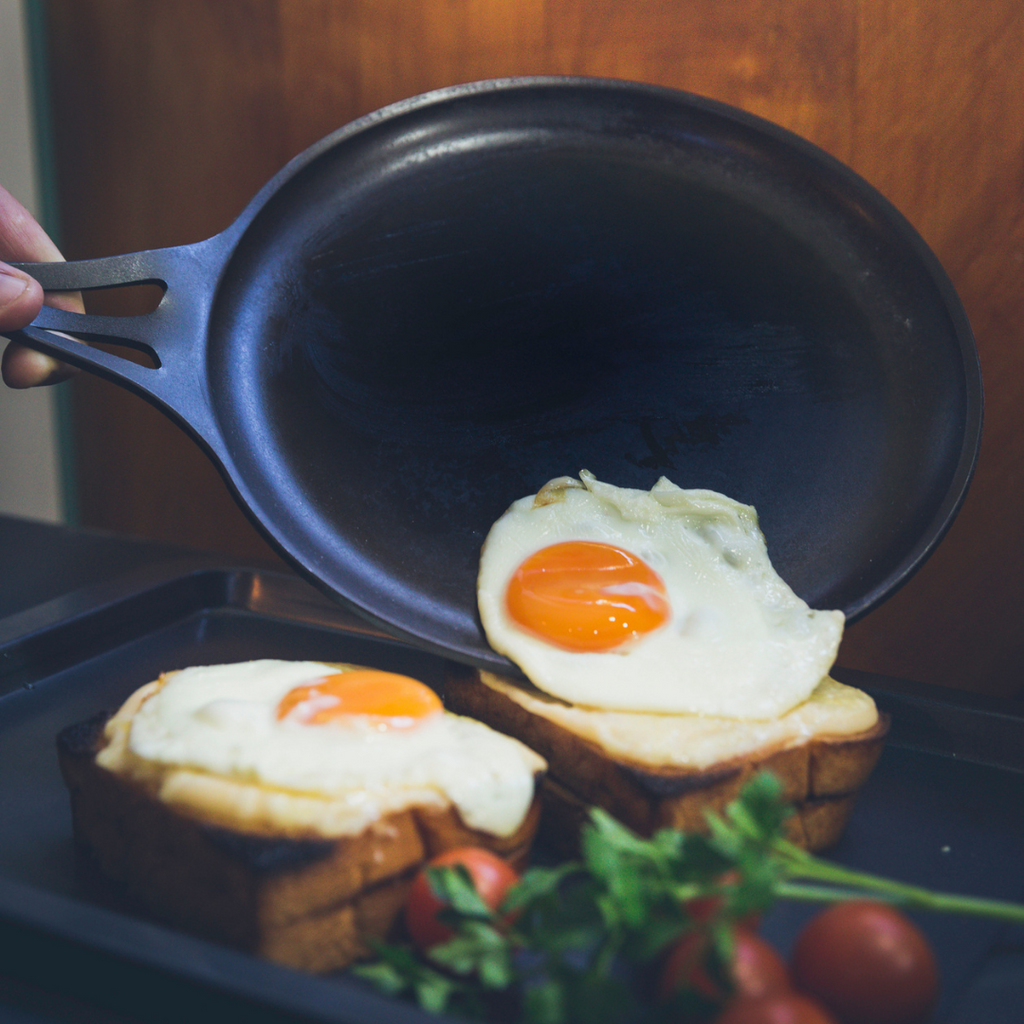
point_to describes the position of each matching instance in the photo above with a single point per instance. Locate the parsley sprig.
(578, 943)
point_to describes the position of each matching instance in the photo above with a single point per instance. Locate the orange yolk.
(585, 596)
(387, 700)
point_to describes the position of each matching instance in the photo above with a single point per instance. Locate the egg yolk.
(386, 699)
(587, 596)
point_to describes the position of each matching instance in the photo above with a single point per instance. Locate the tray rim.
(122, 608)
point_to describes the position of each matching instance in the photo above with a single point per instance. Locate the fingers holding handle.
(21, 297)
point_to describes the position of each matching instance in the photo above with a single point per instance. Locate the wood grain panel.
(168, 117)
(938, 130)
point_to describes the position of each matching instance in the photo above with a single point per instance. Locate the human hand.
(22, 239)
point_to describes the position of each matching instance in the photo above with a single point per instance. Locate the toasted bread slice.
(307, 898)
(658, 788)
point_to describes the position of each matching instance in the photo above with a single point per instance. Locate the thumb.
(21, 298)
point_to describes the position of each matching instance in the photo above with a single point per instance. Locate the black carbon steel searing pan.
(439, 307)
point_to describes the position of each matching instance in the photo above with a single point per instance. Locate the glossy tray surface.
(925, 816)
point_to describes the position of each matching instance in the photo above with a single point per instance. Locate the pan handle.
(170, 335)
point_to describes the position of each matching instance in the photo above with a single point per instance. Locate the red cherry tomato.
(778, 1008)
(757, 969)
(492, 877)
(867, 963)
(686, 967)
(705, 908)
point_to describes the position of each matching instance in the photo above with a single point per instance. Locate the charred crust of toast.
(672, 782)
(83, 738)
(263, 855)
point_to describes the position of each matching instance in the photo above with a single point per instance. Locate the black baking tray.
(945, 808)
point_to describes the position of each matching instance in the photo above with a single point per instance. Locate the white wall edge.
(29, 442)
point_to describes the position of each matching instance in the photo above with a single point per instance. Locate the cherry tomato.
(705, 908)
(686, 967)
(867, 963)
(492, 877)
(778, 1008)
(757, 969)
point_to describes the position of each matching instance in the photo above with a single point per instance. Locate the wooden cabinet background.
(167, 118)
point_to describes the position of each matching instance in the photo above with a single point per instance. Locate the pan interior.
(444, 310)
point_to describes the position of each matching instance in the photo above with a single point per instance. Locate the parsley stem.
(802, 865)
(816, 893)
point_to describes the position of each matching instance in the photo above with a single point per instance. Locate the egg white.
(222, 720)
(739, 644)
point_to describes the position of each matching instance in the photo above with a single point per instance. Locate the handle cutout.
(130, 351)
(124, 300)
